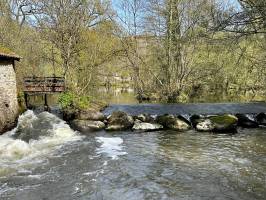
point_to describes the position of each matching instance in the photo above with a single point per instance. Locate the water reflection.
(118, 95)
(38, 100)
(126, 95)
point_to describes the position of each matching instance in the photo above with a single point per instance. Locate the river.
(62, 164)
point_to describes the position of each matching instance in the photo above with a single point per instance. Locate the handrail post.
(26, 100)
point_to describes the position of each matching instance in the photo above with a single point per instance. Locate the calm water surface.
(131, 166)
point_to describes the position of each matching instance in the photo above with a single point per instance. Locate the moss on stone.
(224, 119)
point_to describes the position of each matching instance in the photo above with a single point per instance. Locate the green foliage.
(21, 105)
(71, 100)
(66, 100)
(20, 97)
(83, 102)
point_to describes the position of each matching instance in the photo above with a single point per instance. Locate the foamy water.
(17, 155)
(112, 147)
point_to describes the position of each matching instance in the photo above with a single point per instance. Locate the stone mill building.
(8, 90)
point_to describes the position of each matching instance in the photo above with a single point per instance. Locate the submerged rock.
(219, 123)
(69, 114)
(261, 119)
(247, 121)
(90, 115)
(144, 126)
(85, 126)
(119, 120)
(173, 123)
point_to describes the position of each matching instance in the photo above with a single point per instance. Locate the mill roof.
(6, 53)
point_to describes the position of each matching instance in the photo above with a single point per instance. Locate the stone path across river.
(199, 108)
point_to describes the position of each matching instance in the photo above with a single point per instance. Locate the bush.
(71, 100)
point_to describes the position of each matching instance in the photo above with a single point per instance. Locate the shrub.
(71, 100)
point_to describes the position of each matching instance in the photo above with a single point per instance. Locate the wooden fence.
(44, 84)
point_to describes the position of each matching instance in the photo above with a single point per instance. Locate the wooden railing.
(44, 84)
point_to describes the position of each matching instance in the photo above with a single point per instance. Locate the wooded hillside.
(169, 50)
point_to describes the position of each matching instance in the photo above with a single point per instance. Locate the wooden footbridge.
(43, 86)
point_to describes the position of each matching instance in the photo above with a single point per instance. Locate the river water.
(61, 164)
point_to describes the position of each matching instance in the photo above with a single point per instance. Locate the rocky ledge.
(90, 120)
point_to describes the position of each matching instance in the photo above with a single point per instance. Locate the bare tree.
(131, 19)
(62, 22)
(179, 38)
(248, 19)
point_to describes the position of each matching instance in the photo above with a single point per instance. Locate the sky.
(227, 3)
(234, 3)
(231, 2)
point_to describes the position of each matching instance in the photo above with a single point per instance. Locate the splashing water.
(112, 147)
(47, 133)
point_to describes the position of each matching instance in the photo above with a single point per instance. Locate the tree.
(131, 18)
(182, 33)
(62, 22)
(249, 19)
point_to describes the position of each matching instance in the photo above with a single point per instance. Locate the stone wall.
(8, 96)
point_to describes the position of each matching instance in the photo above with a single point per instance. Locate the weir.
(189, 108)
